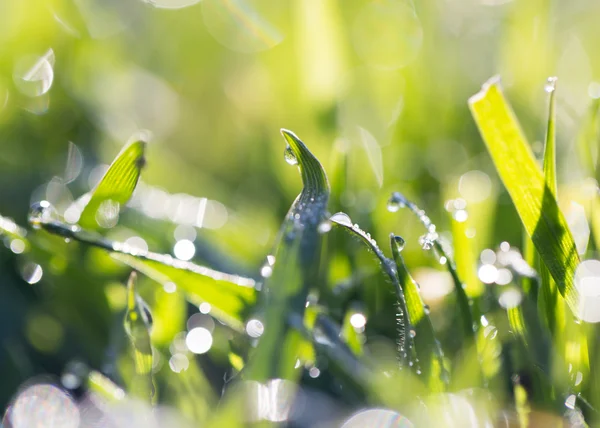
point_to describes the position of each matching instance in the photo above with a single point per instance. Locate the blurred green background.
(380, 85)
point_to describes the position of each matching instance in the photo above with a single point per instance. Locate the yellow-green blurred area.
(377, 89)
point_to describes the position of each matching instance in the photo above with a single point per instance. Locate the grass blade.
(117, 184)
(526, 185)
(388, 267)
(295, 268)
(427, 346)
(431, 241)
(137, 324)
(230, 296)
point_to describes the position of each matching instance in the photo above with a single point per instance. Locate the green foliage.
(529, 190)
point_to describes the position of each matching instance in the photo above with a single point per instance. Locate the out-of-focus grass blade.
(103, 386)
(138, 323)
(117, 185)
(229, 295)
(405, 347)
(295, 269)
(527, 186)
(427, 346)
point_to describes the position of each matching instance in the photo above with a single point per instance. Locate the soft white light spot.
(358, 320)
(179, 363)
(255, 328)
(484, 321)
(504, 277)
(184, 249)
(184, 231)
(587, 282)
(488, 257)
(44, 406)
(137, 243)
(199, 340)
(266, 271)
(460, 216)
(475, 186)
(201, 320)
(578, 378)
(171, 4)
(314, 372)
(377, 418)
(594, 90)
(487, 274)
(204, 308)
(570, 401)
(34, 75)
(580, 229)
(504, 246)
(510, 298)
(17, 246)
(170, 287)
(32, 273)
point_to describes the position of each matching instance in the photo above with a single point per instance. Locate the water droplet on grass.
(396, 202)
(550, 85)
(342, 219)
(399, 242)
(40, 213)
(412, 333)
(255, 328)
(289, 156)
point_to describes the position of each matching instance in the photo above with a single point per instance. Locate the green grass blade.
(117, 185)
(295, 269)
(430, 241)
(427, 346)
(103, 386)
(388, 267)
(137, 324)
(527, 187)
(230, 296)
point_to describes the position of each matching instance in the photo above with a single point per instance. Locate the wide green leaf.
(527, 186)
(116, 186)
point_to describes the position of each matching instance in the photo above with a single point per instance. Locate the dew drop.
(342, 219)
(396, 201)
(266, 271)
(399, 242)
(426, 309)
(289, 156)
(550, 85)
(41, 213)
(426, 241)
(412, 333)
(570, 401)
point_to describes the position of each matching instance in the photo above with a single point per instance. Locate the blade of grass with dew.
(526, 186)
(464, 255)
(137, 324)
(428, 348)
(295, 268)
(230, 296)
(431, 241)
(117, 184)
(405, 348)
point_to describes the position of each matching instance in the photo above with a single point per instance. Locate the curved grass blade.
(137, 324)
(117, 185)
(527, 187)
(295, 269)
(230, 296)
(388, 267)
(431, 241)
(427, 346)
